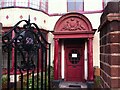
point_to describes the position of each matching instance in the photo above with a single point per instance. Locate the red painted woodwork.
(73, 26)
(73, 22)
(90, 59)
(59, 61)
(56, 59)
(73, 35)
(74, 68)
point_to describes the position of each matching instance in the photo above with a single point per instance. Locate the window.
(35, 4)
(22, 3)
(7, 3)
(44, 5)
(0, 4)
(75, 5)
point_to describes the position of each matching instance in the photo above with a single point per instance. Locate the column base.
(55, 83)
(90, 84)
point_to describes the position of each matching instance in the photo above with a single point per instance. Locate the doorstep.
(72, 85)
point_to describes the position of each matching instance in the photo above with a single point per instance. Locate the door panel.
(74, 62)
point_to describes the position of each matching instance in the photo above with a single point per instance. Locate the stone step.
(72, 85)
(69, 85)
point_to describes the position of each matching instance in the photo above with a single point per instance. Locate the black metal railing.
(28, 57)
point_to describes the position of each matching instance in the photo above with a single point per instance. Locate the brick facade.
(110, 46)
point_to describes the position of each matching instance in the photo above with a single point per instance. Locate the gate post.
(110, 46)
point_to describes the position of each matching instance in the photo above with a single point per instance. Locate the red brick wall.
(110, 46)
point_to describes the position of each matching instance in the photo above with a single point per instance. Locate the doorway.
(74, 60)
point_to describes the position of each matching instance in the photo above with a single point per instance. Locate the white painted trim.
(62, 61)
(85, 62)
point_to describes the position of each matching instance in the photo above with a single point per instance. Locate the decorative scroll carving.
(73, 24)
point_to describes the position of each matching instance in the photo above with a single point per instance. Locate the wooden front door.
(74, 61)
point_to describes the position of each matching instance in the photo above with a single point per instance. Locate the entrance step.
(72, 85)
(69, 85)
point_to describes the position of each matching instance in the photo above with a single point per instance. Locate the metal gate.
(29, 53)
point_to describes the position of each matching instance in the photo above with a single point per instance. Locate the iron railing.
(29, 53)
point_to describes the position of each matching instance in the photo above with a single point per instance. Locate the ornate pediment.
(73, 24)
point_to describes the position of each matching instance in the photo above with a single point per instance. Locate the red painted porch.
(74, 29)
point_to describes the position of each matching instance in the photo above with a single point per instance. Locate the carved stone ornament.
(73, 24)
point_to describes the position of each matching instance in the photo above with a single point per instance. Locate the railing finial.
(29, 19)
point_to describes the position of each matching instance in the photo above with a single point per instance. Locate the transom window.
(75, 5)
(35, 4)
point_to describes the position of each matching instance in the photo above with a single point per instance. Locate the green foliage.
(30, 82)
(97, 81)
(4, 78)
(4, 81)
(51, 73)
(35, 79)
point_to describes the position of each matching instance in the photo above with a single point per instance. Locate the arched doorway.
(71, 32)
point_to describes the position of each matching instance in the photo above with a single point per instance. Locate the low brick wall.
(110, 46)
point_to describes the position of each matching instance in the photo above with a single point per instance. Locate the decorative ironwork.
(28, 44)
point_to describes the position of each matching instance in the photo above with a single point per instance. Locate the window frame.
(26, 4)
(75, 9)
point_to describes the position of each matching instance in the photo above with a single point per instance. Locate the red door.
(74, 61)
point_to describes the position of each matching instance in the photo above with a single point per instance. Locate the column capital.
(56, 38)
(91, 38)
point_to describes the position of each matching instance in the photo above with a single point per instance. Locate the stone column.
(90, 59)
(56, 59)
